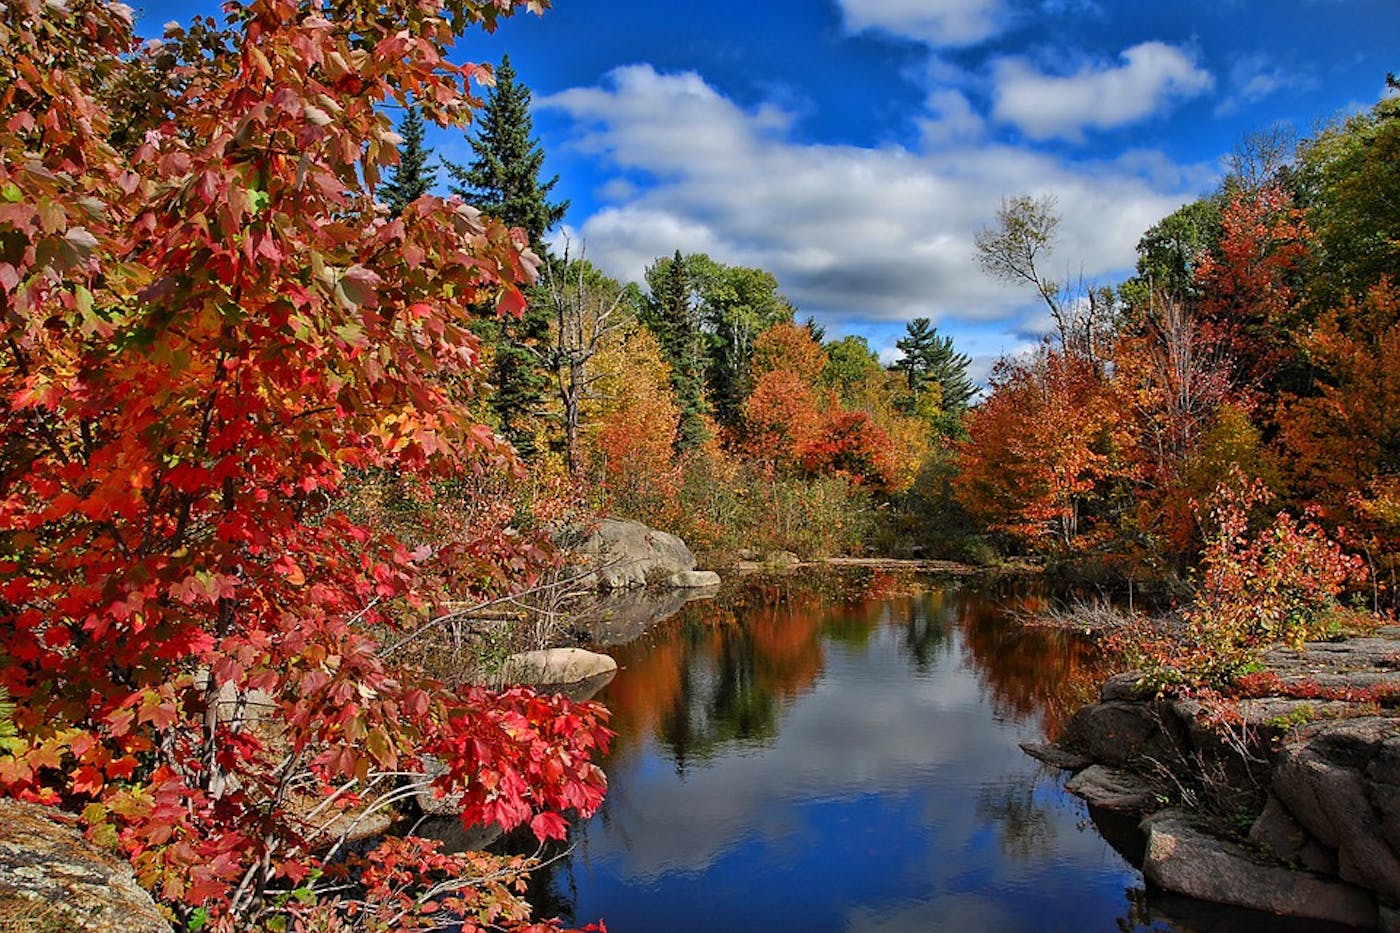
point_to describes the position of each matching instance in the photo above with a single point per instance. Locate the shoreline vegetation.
(270, 409)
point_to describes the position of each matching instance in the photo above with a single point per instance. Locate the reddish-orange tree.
(1042, 450)
(1344, 440)
(1250, 287)
(207, 324)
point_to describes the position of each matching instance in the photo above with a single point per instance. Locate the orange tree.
(207, 325)
(1043, 452)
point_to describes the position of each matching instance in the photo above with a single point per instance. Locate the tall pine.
(503, 179)
(931, 360)
(672, 312)
(413, 177)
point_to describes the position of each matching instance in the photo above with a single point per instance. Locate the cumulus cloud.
(1044, 106)
(850, 232)
(936, 23)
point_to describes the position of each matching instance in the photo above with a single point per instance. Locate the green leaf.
(10, 192)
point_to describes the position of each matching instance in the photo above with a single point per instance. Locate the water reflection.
(802, 757)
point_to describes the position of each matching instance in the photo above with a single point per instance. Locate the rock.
(53, 878)
(1127, 686)
(1115, 790)
(454, 836)
(693, 579)
(1385, 767)
(629, 554)
(1329, 799)
(572, 671)
(1389, 920)
(1183, 858)
(746, 553)
(1114, 732)
(1056, 757)
(781, 559)
(1386, 799)
(429, 804)
(1277, 832)
(1353, 743)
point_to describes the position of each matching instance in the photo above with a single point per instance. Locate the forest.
(272, 406)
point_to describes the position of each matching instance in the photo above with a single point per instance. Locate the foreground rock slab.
(1120, 791)
(52, 876)
(1312, 764)
(1184, 858)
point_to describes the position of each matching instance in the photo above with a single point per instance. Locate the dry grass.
(19, 914)
(1094, 617)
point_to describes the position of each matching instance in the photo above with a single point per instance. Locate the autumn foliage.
(209, 328)
(1043, 450)
(1241, 437)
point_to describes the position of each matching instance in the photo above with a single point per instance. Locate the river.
(801, 756)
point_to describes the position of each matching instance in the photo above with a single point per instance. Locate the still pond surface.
(789, 759)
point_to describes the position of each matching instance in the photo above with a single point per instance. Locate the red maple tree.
(209, 326)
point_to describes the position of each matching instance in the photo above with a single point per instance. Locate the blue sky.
(854, 147)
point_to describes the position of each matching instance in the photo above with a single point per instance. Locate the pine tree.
(930, 359)
(503, 180)
(672, 313)
(414, 176)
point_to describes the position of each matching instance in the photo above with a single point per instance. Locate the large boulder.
(560, 670)
(629, 554)
(51, 878)
(1322, 781)
(1184, 858)
(1119, 732)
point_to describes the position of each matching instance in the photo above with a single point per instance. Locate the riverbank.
(785, 560)
(1282, 797)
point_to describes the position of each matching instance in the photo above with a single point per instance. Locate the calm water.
(808, 762)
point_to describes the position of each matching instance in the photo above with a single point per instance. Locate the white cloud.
(1045, 106)
(951, 119)
(1253, 78)
(877, 233)
(936, 23)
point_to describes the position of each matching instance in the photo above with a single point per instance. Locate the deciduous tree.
(207, 325)
(1041, 450)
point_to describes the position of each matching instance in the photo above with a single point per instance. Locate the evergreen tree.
(931, 360)
(672, 312)
(414, 176)
(737, 305)
(503, 180)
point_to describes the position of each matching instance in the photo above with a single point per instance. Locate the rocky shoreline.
(1285, 800)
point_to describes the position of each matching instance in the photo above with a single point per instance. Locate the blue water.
(829, 764)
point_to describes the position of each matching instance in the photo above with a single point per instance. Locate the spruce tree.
(931, 359)
(503, 180)
(413, 177)
(672, 312)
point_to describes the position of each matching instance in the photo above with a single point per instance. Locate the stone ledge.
(47, 863)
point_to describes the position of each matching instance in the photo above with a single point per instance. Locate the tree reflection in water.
(798, 726)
